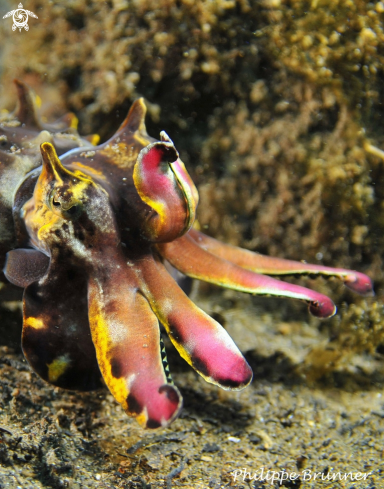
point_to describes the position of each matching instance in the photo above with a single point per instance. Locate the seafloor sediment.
(276, 108)
(286, 419)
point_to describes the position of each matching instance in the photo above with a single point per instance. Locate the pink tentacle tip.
(360, 283)
(239, 376)
(242, 375)
(322, 309)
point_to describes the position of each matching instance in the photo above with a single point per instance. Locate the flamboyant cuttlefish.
(90, 237)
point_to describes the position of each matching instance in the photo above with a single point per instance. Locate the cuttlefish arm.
(56, 337)
(159, 176)
(192, 260)
(25, 266)
(70, 217)
(163, 183)
(126, 335)
(356, 281)
(199, 339)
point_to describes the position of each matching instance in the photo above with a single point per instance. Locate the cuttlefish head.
(68, 211)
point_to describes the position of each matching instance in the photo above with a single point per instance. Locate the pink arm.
(356, 281)
(192, 260)
(200, 340)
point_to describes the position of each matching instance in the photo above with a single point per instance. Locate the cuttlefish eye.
(68, 209)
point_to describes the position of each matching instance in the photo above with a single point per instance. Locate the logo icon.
(20, 17)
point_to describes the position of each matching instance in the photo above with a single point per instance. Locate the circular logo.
(20, 19)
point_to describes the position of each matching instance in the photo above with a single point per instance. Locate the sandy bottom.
(290, 418)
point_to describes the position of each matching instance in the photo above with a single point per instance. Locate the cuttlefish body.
(96, 232)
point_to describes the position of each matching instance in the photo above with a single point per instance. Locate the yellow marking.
(122, 155)
(38, 101)
(158, 207)
(34, 323)
(74, 122)
(140, 139)
(157, 308)
(39, 216)
(140, 102)
(45, 229)
(142, 418)
(50, 157)
(189, 182)
(88, 169)
(79, 188)
(102, 341)
(95, 139)
(58, 367)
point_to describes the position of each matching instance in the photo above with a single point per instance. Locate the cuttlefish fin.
(126, 336)
(25, 266)
(192, 260)
(165, 190)
(199, 339)
(67, 122)
(133, 123)
(26, 111)
(356, 281)
(56, 338)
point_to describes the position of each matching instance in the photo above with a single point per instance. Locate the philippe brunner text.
(280, 476)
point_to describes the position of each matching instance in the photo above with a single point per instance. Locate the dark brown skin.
(71, 344)
(111, 166)
(18, 131)
(21, 134)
